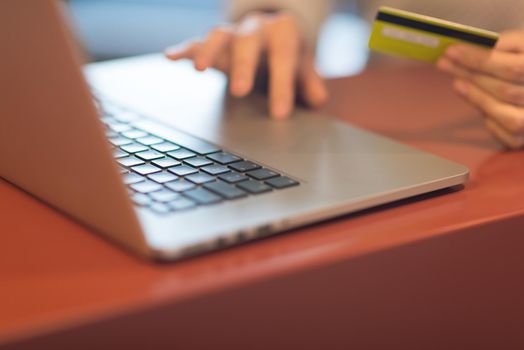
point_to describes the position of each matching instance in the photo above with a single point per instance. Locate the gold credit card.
(423, 38)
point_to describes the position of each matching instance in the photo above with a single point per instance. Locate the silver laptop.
(155, 158)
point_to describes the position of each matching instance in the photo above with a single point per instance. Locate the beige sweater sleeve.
(497, 15)
(310, 12)
(494, 15)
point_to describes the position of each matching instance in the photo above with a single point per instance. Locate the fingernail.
(171, 51)
(239, 87)
(176, 50)
(201, 64)
(320, 98)
(443, 64)
(281, 111)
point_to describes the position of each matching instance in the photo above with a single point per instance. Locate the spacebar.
(182, 139)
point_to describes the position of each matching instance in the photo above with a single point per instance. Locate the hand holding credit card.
(422, 38)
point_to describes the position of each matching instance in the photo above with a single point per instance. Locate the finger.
(223, 62)
(283, 46)
(183, 50)
(244, 62)
(215, 43)
(509, 140)
(511, 41)
(313, 86)
(500, 64)
(500, 89)
(509, 117)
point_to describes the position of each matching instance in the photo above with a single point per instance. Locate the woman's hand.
(239, 50)
(493, 81)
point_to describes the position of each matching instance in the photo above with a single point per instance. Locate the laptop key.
(111, 134)
(117, 153)
(244, 166)
(146, 186)
(149, 140)
(182, 170)
(224, 158)
(134, 148)
(119, 128)
(162, 177)
(233, 177)
(149, 155)
(198, 162)
(200, 178)
(254, 187)
(165, 147)
(146, 169)
(282, 182)
(120, 141)
(165, 162)
(182, 204)
(160, 208)
(262, 174)
(164, 196)
(129, 161)
(202, 196)
(108, 120)
(215, 169)
(181, 154)
(180, 185)
(126, 116)
(134, 134)
(225, 190)
(133, 178)
(141, 199)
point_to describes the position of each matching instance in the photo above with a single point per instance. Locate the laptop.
(152, 156)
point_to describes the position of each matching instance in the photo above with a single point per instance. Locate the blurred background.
(112, 29)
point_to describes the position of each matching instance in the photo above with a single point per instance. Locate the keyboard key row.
(225, 190)
(182, 139)
(190, 181)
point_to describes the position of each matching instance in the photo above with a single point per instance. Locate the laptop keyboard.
(167, 177)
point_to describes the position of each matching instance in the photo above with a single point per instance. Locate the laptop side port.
(264, 230)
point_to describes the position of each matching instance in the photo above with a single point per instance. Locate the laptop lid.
(51, 143)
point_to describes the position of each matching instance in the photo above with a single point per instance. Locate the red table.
(439, 271)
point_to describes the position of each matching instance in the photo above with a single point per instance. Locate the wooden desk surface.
(56, 275)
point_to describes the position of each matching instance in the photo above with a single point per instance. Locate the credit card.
(423, 38)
